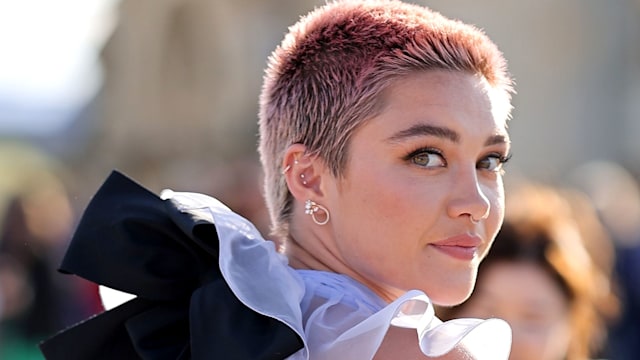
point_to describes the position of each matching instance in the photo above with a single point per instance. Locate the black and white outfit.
(208, 286)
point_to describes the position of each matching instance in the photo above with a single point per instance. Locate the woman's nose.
(468, 199)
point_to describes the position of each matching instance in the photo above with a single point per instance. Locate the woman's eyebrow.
(497, 139)
(418, 130)
(425, 130)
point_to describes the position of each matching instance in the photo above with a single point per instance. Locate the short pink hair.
(327, 77)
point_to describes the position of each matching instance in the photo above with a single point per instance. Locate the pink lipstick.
(462, 247)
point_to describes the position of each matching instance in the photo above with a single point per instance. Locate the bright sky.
(49, 60)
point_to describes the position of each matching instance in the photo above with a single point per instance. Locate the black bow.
(131, 240)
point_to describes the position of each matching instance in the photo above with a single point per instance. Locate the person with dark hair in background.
(34, 300)
(615, 192)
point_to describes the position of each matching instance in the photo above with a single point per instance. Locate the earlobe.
(301, 173)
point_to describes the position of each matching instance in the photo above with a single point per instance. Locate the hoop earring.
(311, 208)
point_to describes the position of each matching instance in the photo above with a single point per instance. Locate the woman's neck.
(321, 257)
(301, 258)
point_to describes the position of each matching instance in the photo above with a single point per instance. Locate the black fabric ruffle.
(131, 240)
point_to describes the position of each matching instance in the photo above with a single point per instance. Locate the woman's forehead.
(440, 103)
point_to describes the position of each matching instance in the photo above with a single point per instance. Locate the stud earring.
(288, 167)
(312, 208)
(304, 182)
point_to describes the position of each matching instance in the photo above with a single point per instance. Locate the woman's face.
(525, 296)
(401, 216)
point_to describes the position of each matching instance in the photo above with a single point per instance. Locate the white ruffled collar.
(259, 276)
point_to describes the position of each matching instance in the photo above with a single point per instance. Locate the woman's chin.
(450, 298)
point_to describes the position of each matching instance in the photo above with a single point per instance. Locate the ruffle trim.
(241, 246)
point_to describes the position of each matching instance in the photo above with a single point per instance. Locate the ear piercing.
(312, 208)
(288, 167)
(484, 216)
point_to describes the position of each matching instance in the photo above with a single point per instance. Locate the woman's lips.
(462, 247)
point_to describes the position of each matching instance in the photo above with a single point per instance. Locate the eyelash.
(502, 158)
(420, 151)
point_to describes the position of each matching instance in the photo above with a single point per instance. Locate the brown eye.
(493, 162)
(428, 159)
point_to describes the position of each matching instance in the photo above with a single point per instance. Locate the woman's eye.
(428, 159)
(493, 162)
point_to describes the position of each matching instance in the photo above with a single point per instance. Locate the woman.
(542, 277)
(382, 138)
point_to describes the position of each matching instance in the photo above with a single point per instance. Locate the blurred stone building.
(181, 86)
(179, 103)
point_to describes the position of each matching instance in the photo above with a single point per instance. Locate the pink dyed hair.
(327, 77)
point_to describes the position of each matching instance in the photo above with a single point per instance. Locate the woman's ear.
(302, 173)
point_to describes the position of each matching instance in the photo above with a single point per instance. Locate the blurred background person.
(36, 220)
(616, 194)
(542, 277)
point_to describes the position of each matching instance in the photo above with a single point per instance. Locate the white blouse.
(335, 316)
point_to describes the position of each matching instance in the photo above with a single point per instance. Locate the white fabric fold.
(484, 339)
(335, 316)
